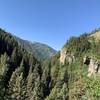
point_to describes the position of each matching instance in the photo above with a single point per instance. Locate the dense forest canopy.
(23, 77)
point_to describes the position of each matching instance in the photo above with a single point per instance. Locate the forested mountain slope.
(20, 72)
(40, 51)
(75, 71)
(72, 74)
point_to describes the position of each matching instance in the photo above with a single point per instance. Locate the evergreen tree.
(38, 90)
(30, 83)
(4, 67)
(17, 84)
(4, 64)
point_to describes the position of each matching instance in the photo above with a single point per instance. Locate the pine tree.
(17, 88)
(4, 67)
(30, 83)
(14, 57)
(4, 64)
(38, 90)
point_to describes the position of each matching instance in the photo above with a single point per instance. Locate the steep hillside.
(20, 71)
(72, 74)
(39, 50)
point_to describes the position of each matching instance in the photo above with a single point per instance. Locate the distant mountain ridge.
(39, 50)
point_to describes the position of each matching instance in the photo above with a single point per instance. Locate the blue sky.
(49, 21)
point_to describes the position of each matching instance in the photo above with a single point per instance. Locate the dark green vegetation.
(23, 77)
(40, 51)
(20, 72)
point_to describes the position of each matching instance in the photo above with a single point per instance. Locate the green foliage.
(78, 45)
(78, 85)
(18, 71)
(4, 64)
(23, 77)
(16, 84)
(93, 88)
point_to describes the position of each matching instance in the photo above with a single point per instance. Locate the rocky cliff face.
(63, 55)
(94, 66)
(66, 57)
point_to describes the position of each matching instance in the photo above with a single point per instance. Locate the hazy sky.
(49, 21)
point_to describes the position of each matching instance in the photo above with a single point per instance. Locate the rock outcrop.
(66, 57)
(94, 66)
